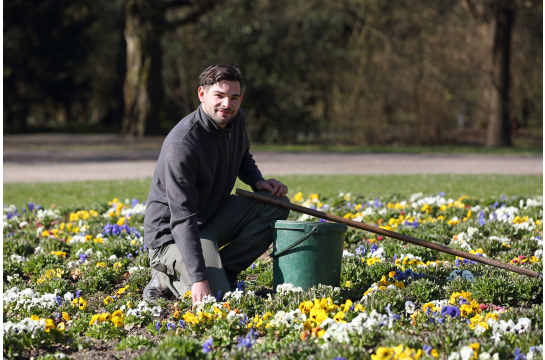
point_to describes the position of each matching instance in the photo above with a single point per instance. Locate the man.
(199, 236)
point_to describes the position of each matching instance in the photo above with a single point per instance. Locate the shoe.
(232, 277)
(154, 290)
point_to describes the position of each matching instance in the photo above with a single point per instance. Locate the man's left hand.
(272, 185)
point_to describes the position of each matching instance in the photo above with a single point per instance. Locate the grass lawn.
(88, 192)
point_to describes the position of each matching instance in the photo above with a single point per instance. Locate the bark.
(143, 86)
(498, 122)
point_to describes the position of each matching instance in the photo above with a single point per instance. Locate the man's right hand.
(199, 290)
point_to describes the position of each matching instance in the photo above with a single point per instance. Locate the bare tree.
(143, 88)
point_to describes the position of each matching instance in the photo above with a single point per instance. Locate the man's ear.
(241, 96)
(201, 92)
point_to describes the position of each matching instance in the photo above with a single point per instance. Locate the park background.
(426, 113)
(341, 76)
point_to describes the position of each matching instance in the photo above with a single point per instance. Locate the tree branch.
(175, 3)
(191, 17)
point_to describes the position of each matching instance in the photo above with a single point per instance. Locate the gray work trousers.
(241, 229)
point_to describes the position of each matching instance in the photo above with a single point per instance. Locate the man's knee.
(277, 212)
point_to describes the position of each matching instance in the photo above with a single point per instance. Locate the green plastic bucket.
(306, 254)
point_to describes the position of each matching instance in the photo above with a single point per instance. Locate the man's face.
(221, 101)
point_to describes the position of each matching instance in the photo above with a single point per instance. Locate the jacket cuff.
(252, 185)
(198, 277)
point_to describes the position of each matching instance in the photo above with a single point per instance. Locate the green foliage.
(79, 325)
(97, 279)
(50, 285)
(497, 287)
(139, 278)
(424, 290)
(21, 247)
(175, 348)
(49, 245)
(35, 263)
(265, 277)
(134, 342)
(529, 290)
(105, 330)
(10, 268)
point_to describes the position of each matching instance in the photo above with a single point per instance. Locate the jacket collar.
(210, 125)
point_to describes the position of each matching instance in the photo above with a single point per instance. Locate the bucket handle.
(291, 246)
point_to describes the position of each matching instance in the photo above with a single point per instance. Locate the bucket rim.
(303, 225)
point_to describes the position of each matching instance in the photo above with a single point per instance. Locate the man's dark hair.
(215, 73)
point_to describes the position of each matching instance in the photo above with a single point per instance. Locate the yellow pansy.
(339, 317)
(49, 325)
(104, 317)
(306, 306)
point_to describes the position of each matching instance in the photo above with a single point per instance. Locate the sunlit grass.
(88, 192)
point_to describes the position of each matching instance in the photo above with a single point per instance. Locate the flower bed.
(75, 276)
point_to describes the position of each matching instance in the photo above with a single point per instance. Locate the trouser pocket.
(155, 256)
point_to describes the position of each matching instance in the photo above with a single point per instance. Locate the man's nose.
(226, 102)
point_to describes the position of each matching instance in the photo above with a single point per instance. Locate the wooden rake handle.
(377, 230)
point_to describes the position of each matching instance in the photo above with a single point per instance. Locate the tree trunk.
(499, 127)
(143, 87)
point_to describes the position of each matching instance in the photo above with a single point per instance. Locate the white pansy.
(347, 253)
(415, 197)
(454, 356)
(479, 330)
(134, 269)
(68, 296)
(48, 214)
(472, 231)
(284, 289)
(306, 217)
(231, 315)
(466, 353)
(156, 311)
(77, 239)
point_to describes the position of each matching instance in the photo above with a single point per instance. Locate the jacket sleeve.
(180, 166)
(249, 172)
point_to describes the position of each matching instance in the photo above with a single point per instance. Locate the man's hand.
(199, 290)
(272, 185)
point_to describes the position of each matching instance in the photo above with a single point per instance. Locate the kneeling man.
(200, 237)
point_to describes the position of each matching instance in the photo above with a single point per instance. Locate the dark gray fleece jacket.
(195, 173)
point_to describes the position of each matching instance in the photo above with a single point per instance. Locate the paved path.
(78, 165)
